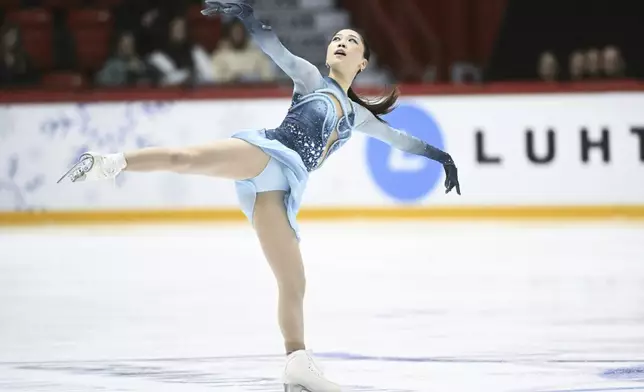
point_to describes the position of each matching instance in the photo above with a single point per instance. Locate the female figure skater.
(270, 167)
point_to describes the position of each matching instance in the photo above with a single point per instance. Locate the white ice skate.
(302, 374)
(92, 166)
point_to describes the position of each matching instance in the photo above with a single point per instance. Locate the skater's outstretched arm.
(368, 124)
(305, 75)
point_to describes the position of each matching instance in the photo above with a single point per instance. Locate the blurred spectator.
(613, 62)
(180, 61)
(593, 64)
(149, 19)
(238, 60)
(465, 73)
(576, 65)
(548, 67)
(124, 67)
(15, 66)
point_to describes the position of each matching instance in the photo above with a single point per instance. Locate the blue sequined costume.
(297, 146)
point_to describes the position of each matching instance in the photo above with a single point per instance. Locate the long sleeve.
(305, 75)
(368, 124)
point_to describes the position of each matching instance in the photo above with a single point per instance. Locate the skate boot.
(303, 375)
(93, 166)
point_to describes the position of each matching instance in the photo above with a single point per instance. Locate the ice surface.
(390, 307)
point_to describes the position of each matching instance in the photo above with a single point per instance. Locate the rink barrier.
(527, 213)
(610, 116)
(285, 91)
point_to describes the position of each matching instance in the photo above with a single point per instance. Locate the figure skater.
(271, 167)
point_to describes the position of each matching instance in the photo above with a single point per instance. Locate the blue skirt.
(286, 171)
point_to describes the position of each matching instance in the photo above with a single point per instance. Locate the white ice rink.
(390, 307)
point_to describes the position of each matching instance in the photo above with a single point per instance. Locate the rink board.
(523, 156)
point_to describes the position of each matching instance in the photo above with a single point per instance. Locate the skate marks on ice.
(257, 373)
(560, 318)
(243, 373)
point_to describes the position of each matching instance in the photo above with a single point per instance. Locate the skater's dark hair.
(377, 106)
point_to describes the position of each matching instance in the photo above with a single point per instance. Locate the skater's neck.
(342, 80)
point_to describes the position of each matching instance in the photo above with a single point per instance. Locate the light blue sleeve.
(367, 123)
(306, 77)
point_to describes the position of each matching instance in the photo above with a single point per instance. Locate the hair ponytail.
(378, 106)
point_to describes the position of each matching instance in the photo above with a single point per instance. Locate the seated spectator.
(15, 65)
(576, 64)
(593, 64)
(548, 67)
(149, 19)
(238, 60)
(124, 67)
(181, 62)
(614, 66)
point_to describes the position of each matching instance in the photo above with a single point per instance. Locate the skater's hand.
(451, 178)
(451, 173)
(236, 8)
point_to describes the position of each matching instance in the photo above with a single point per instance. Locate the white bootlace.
(314, 367)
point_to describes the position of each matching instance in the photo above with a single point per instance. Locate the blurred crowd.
(572, 40)
(116, 43)
(126, 43)
(589, 64)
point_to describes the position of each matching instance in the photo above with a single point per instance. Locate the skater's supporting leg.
(282, 251)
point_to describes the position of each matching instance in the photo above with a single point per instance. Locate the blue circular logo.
(402, 176)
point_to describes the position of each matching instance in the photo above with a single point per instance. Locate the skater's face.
(346, 53)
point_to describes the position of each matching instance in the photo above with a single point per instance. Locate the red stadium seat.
(88, 18)
(107, 4)
(36, 29)
(34, 17)
(203, 31)
(63, 81)
(62, 4)
(9, 4)
(92, 30)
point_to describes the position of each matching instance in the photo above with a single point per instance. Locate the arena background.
(531, 280)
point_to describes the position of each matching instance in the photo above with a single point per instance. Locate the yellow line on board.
(633, 212)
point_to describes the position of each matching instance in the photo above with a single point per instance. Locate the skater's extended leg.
(231, 158)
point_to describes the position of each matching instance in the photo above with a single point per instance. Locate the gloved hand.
(451, 178)
(237, 8)
(451, 173)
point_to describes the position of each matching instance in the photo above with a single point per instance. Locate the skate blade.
(295, 388)
(79, 170)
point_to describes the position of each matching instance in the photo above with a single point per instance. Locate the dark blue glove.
(451, 178)
(451, 173)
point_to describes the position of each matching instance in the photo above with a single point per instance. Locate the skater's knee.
(184, 159)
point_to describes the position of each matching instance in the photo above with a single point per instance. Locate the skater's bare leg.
(282, 250)
(229, 158)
